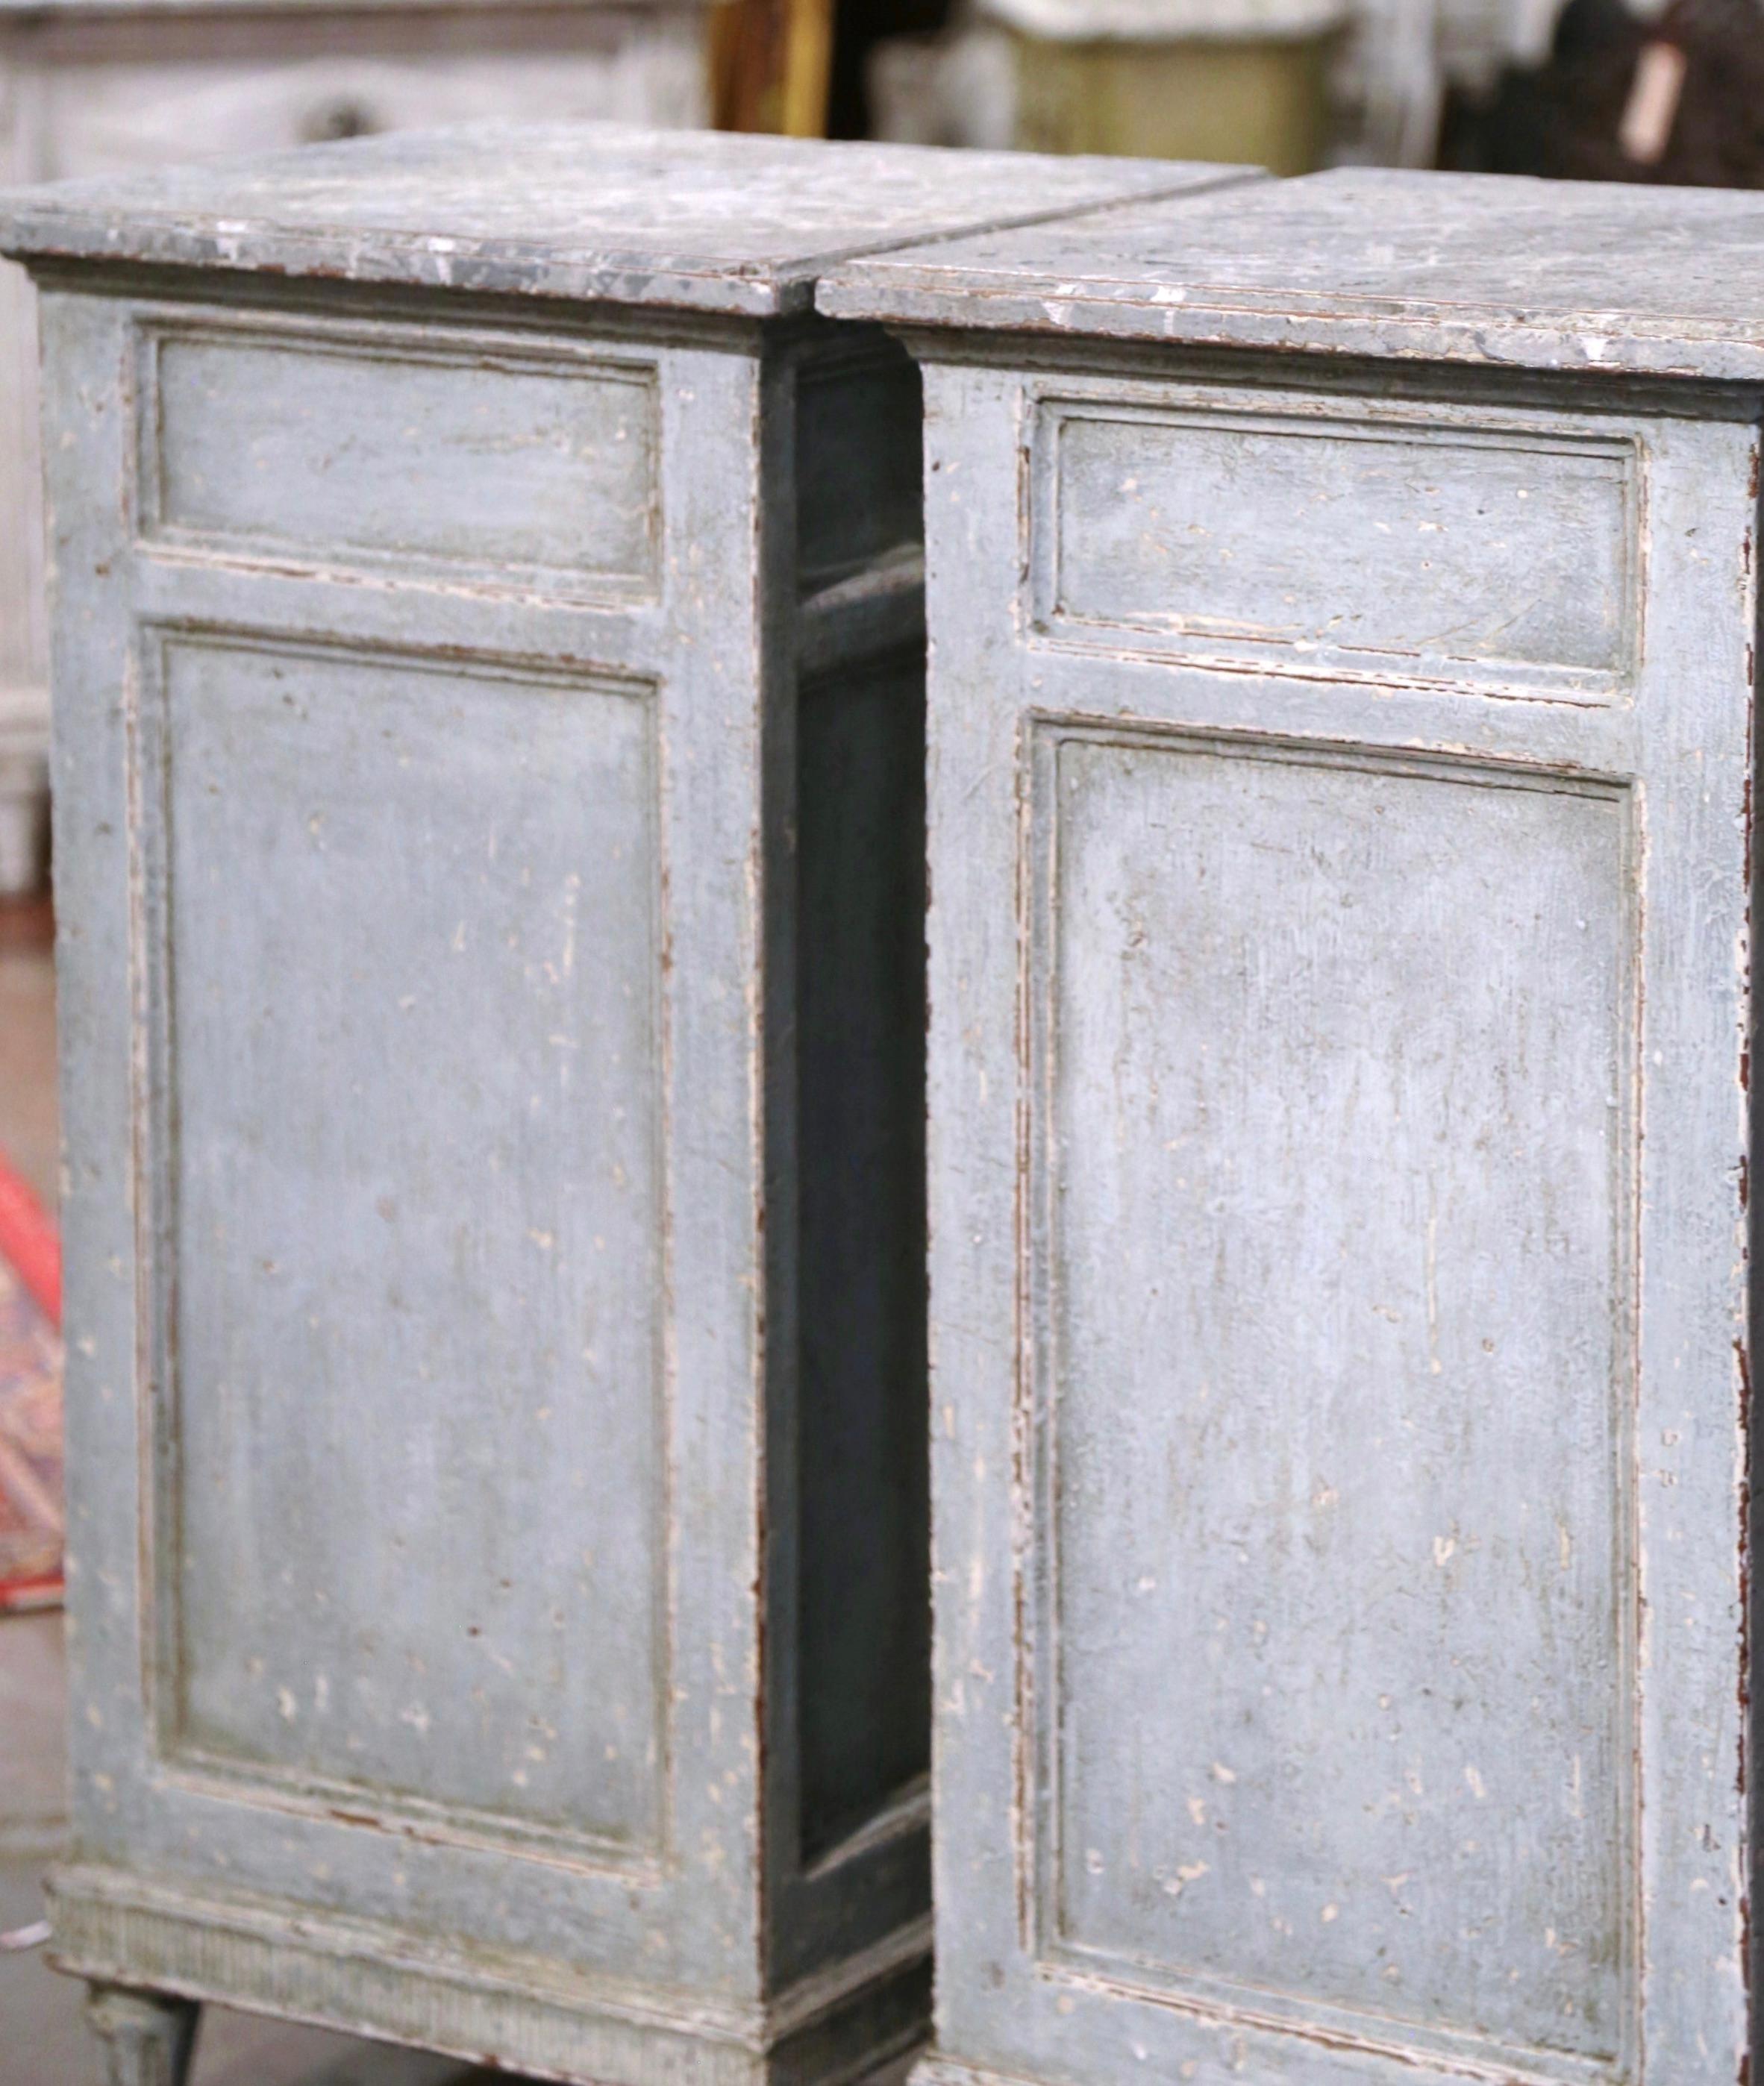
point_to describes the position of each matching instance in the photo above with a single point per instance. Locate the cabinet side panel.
(1292, 1037)
(464, 762)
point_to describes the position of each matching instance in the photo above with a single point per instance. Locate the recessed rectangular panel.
(1426, 548)
(409, 1266)
(406, 453)
(1335, 1698)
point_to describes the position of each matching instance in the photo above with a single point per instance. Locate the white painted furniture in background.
(96, 89)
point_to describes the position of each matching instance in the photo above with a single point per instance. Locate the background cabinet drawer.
(113, 115)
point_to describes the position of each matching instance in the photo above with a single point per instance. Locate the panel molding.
(1047, 622)
(370, 344)
(1056, 1959)
(173, 1759)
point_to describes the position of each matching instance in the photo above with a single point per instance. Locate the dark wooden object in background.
(1566, 119)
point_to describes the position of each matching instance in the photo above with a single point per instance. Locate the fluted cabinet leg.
(148, 2037)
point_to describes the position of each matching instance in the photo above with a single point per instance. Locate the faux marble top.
(696, 219)
(1458, 267)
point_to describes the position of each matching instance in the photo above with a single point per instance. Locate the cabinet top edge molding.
(697, 220)
(1499, 270)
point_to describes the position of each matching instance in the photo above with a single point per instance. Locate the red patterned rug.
(31, 1517)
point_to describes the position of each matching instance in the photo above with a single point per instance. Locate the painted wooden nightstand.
(488, 657)
(1342, 607)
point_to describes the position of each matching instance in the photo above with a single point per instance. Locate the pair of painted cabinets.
(495, 784)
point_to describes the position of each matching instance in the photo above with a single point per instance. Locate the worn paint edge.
(37, 227)
(521, 2013)
(887, 291)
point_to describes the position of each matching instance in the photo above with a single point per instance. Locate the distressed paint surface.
(1363, 1588)
(430, 1304)
(696, 219)
(603, 1918)
(491, 880)
(506, 469)
(1488, 269)
(1349, 543)
(405, 742)
(1276, 987)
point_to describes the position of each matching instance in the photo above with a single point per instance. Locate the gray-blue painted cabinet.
(487, 646)
(1342, 601)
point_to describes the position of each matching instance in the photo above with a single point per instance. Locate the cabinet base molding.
(933, 2069)
(371, 1980)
